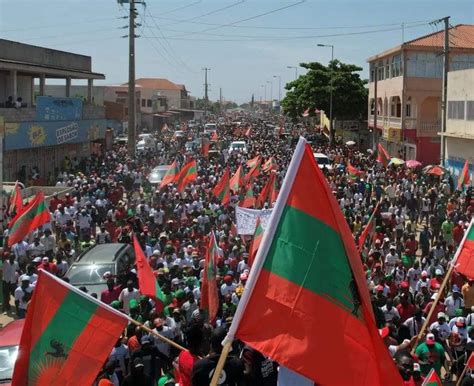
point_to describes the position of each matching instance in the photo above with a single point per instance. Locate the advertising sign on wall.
(58, 109)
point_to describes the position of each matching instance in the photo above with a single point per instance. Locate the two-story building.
(405, 88)
(459, 136)
(41, 131)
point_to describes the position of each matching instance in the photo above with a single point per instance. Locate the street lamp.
(331, 129)
(296, 70)
(261, 87)
(279, 86)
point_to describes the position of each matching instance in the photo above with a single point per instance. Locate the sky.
(247, 44)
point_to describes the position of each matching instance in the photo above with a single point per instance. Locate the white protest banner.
(246, 219)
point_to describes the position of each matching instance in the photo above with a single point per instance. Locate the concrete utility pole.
(206, 90)
(332, 134)
(131, 82)
(279, 86)
(220, 98)
(374, 146)
(444, 101)
(296, 70)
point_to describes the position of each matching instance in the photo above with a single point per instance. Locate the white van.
(322, 160)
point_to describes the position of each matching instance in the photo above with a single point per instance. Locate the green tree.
(312, 91)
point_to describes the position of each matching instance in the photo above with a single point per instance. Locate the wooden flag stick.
(458, 382)
(433, 308)
(159, 336)
(221, 363)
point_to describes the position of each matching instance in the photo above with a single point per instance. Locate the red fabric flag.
(248, 133)
(254, 171)
(165, 128)
(170, 175)
(67, 336)
(470, 362)
(209, 290)
(265, 192)
(306, 300)
(354, 173)
(30, 218)
(249, 199)
(369, 227)
(214, 136)
(257, 239)
(16, 201)
(146, 278)
(464, 257)
(306, 113)
(222, 189)
(187, 174)
(233, 230)
(237, 180)
(464, 178)
(382, 155)
(432, 379)
(270, 165)
(252, 162)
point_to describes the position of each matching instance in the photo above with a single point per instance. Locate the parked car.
(323, 161)
(146, 142)
(9, 341)
(89, 267)
(157, 174)
(238, 146)
(121, 140)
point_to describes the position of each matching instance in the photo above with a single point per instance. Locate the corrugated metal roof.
(460, 36)
(158, 84)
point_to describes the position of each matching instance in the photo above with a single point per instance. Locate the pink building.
(405, 88)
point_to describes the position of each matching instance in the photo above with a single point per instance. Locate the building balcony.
(428, 128)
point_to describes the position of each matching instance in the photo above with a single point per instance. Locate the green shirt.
(447, 229)
(433, 355)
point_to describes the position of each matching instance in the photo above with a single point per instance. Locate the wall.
(76, 91)
(457, 151)
(27, 53)
(461, 88)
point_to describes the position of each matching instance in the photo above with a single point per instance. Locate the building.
(45, 130)
(459, 135)
(158, 101)
(405, 92)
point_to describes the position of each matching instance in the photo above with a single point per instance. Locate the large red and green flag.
(170, 175)
(205, 145)
(266, 190)
(464, 178)
(382, 155)
(16, 201)
(249, 199)
(31, 217)
(187, 174)
(464, 257)
(236, 181)
(222, 189)
(67, 336)
(369, 228)
(432, 379)
(257, 239)
(270, 165)
(209, 289)
(254, 171)
(252, 162)
(306, 301)
(146, 278)
(470, 362)
(353, 172)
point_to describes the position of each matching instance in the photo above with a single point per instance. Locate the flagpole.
(221, 363)
(458, 383)
(441, 289)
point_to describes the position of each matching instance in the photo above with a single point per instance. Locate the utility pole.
(444, 101)
(376, 106)
(131, 82)
(206, 90)
(220, 98)
(332, 133)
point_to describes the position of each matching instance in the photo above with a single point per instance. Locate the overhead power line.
(182, 7)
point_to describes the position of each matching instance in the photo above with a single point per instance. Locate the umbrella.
(396, 161)
(413, 163)
(350, 143)
(435, 170)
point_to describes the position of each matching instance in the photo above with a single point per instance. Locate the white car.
(146, 142)
(157, 174)
(323, 161)
(238, 146)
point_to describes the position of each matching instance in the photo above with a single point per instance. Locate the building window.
(143, 102)
(470, 110)
(408, 108)
(387, 69)
(380, 70)
(455, 109)
(149, 103)
(372, 72)
(395, 107)
(372, 106)
(396, 65)
(162, 102)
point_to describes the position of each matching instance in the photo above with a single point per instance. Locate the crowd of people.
(419, 222)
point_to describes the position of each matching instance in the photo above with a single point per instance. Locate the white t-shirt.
(228, 289)
(442, 329)
(125, 297)
(20, 293)
(390, 314)
(119, 355)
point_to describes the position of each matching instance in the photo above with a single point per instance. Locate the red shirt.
(108, 297)
(458, 233)
(412, 246)
(434, 315)
(435, 284)
(405, 311)
(50, 267)
(186, 361)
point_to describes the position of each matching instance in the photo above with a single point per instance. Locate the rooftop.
(158, 84)
(461, 36)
